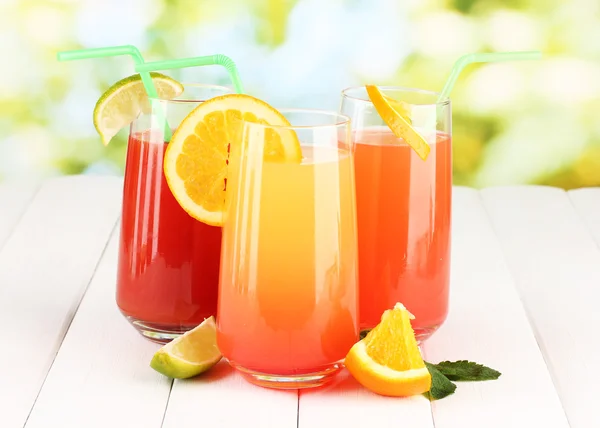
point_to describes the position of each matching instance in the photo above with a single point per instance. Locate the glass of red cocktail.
(168, 269)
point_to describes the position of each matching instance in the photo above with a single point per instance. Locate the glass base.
(424, 333)
(156, 332)
(299, 381)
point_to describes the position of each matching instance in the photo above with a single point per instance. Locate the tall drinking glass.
(288, 293)
(168, 270)
(403, 207)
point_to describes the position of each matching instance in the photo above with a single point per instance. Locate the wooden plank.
(347, 404)
(45, 267)
(487, 324)
(222, 399)
(101, 377)
(14, 199)
(587, 205)
(556, 265)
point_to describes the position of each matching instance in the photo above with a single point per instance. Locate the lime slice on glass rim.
(122, 102)
(396, 115)
(192, 353)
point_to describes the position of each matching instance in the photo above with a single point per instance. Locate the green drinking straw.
(218, 59)
(465, 60)
(129, 50)
(136, 55)
(145, 68)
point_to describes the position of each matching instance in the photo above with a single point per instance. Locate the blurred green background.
(533, 122)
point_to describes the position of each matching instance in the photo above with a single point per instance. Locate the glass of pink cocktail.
(403, 208)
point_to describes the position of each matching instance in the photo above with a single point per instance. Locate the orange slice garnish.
(196, 158)
(388, 361)
(395, 115)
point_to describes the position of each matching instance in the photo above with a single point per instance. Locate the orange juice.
(288, 289)
(403, 208)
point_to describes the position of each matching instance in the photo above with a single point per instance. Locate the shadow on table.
(343, 383)
(219, 372)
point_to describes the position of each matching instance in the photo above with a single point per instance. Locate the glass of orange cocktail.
(288, 292)
(403, 207)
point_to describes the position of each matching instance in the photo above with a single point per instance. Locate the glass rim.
(342, 119)
(445, 101)
(191, 100)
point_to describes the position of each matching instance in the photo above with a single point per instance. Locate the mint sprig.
(443, 373)
(441, 386)
(465, 371)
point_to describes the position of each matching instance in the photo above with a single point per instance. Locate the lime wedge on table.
(395, 115)
(123, 101)
(190, 354)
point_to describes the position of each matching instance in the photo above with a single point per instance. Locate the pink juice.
(403, 208)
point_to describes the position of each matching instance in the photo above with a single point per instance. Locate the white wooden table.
(525, 299)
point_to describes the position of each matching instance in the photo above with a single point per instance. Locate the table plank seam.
(162, 422)
(532, 325)
(113, 230)
(431, 411)
(582, 220)
(298, 409)
(21, 215)
(513, 279)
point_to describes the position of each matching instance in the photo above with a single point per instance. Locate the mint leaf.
(464, 370)
(441, 386)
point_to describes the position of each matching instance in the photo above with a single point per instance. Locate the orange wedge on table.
(395, 114)
(196, 158)
(388, 361)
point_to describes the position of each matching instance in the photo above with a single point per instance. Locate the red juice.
(168, 270)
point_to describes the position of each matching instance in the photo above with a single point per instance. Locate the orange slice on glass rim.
(196, 158)
(388, 361)
(395, 115)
